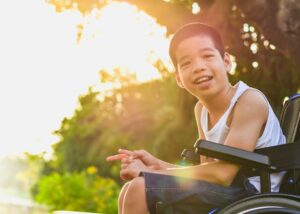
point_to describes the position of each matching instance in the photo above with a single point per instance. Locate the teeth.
(202, 79)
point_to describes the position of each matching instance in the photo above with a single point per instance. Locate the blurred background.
(82, 78)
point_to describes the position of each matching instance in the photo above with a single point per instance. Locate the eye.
(207, 56)
(184, 64)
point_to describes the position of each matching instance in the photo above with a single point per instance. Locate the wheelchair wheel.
(265, 204)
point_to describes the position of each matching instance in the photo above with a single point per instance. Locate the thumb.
(124, 174)
(140, 154)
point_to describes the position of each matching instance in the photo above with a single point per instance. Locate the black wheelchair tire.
(265, 204)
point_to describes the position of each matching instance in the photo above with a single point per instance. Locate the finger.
(116, 157)
(139, 153)
(124, 166)
(125, 175)
(127, 160)
(130, 158)
(125, 151)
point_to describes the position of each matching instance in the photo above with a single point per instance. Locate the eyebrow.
(207, 49)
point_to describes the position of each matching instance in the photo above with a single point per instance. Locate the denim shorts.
(189, 196)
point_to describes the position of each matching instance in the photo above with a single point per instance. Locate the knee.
(135, 198)
(123, 192)
(136, 187)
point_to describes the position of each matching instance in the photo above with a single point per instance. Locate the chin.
(206, 94)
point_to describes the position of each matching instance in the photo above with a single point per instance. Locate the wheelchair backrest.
(290, 119)
(290, 124)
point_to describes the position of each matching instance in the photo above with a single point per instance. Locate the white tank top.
(271, 136)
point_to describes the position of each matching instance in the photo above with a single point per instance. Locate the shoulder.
(253, 97)
(252, 103)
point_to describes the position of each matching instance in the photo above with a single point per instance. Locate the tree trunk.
(279, 21)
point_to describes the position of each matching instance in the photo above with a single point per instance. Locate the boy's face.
(201, 69)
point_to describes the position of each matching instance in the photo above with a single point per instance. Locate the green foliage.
(151, 116)
(78, 191)
(75, 132)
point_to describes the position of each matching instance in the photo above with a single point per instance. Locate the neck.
(220, 102)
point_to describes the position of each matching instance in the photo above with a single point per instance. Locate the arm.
(247, 123)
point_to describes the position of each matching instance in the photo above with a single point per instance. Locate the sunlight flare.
(48, 59)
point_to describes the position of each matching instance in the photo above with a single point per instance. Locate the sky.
(43, 67)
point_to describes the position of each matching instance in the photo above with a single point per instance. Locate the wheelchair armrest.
(234, 155)
(190, 155)
(246, 159)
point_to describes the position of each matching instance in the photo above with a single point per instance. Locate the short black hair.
(192, 29)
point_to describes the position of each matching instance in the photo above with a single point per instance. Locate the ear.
(227, 62)
(178, 80)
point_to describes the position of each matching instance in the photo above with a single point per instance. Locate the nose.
(199, 66)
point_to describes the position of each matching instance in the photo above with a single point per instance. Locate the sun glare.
(121, 36)
(45, 66)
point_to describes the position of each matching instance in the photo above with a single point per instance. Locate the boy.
(237, 116)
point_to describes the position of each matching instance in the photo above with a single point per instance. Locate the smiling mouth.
(202, 79)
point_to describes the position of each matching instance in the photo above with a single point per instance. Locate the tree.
(262, 34)
(126, 118)
(278, 20)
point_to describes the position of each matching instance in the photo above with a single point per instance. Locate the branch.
(278, 20)
(170, 15)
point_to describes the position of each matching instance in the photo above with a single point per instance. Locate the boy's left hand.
(132, 168)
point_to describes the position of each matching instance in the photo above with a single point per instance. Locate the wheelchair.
(262, 162)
